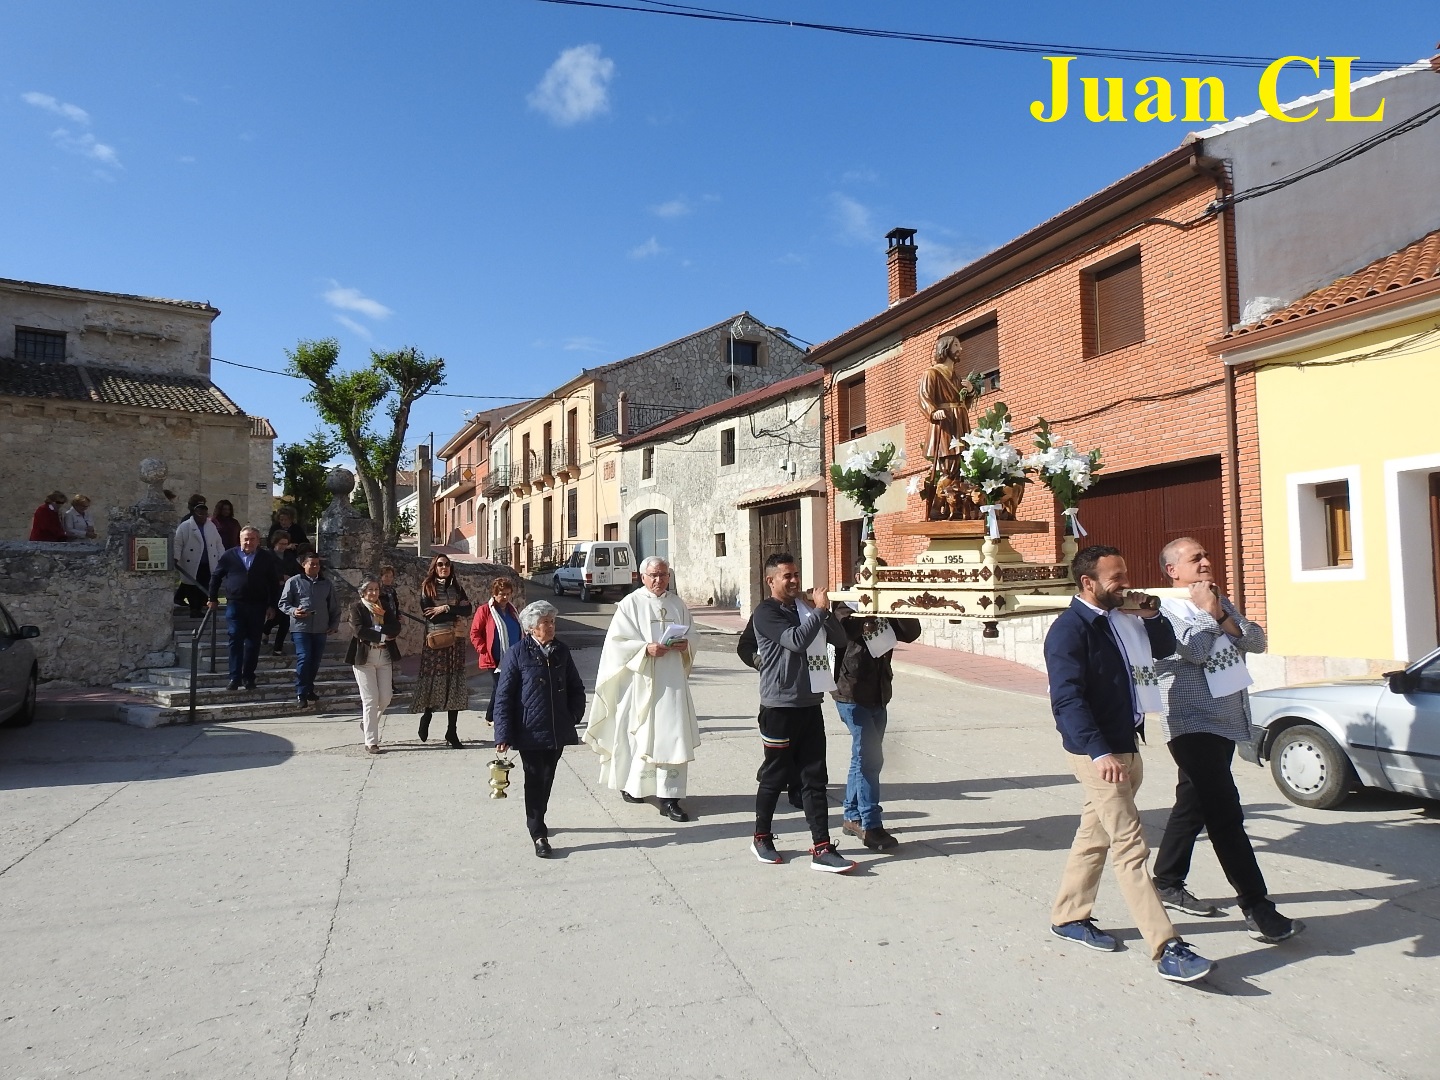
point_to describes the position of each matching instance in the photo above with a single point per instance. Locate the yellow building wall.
(1316, 412)
(554, 413)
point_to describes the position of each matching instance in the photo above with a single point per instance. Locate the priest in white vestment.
(641, 720)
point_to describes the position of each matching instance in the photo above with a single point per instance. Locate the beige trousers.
(1110, 822)
(374, 679)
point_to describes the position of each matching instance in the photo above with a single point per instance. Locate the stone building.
(92, 382)
(717, 491)
(551, 490)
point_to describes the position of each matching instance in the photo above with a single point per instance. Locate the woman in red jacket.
(496, 628)
(46, 526)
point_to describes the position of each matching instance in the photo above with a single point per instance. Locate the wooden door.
(1141, 512)
(779, 533)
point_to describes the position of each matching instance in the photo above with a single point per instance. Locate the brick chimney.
(900, 260)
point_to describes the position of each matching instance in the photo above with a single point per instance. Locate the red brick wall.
(1157, 402)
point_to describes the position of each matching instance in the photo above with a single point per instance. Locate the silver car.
(19, 671)
(1324, 740)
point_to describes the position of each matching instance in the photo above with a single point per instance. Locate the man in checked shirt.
(1206, 713)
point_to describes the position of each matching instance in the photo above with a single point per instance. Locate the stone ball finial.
(340, 482)
(153, 471)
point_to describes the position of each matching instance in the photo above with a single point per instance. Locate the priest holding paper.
(641, 720)
(1206, 714)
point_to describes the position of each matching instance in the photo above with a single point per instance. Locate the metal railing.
(638, 417)
(210, 621)
(549, 556)
(496, 481)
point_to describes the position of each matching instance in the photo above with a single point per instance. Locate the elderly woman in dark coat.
(539, 700)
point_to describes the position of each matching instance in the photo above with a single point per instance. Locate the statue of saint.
(944, 396)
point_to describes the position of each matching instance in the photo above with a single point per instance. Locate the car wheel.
(1310, 769)
(555, 584)
(585, 593)
(27, 707)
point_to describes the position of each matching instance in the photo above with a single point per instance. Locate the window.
(980, 352)
(469, 511)
(1326, 542)
(727, 446)
(39, 345)
(719, 545)
(1335, 497)
(602, 556)
(647, 463)
(1114, 314)
(852, 409)
(612, 531)
(572, 439)
(744, 353)
(622, 557)
(525, 520)
(547, 521)
(572, 512)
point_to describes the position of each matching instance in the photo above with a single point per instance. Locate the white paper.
(674, 632)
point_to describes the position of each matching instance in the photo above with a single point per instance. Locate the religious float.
(971, 492)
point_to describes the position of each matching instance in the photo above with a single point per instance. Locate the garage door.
(1141, 512)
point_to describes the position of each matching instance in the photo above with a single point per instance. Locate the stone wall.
(78, 447)
(99, 621)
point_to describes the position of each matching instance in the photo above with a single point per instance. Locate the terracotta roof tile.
(1413, 264)
(116, 387)
(20, 378)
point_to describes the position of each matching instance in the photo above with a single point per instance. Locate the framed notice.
(150, 553)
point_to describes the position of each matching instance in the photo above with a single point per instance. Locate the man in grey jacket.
(314, 612)
(791, 636)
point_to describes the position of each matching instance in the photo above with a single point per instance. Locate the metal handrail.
(209, 620)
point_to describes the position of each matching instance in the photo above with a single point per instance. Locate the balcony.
(460, 478)
(638, 418)
(564, 462)
(496, 483)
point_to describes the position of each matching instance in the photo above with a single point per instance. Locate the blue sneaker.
(1086, 933)
(1180, 963)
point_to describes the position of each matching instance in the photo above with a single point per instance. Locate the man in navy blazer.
(249, 575)
(1093, 660)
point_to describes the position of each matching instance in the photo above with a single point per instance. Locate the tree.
(303, 468)
(347, 401)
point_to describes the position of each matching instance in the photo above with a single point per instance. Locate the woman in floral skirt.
(442, 663)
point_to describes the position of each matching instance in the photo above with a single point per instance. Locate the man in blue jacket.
(249, 576)
(1101, 667)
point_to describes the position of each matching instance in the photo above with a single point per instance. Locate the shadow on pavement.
(59, 753)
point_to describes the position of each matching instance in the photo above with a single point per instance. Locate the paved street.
(264, 900)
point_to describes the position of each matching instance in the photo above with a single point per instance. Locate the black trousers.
(794, 742)
(1206, 798)
(539, 767)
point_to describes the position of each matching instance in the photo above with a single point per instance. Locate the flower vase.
(1069, 545)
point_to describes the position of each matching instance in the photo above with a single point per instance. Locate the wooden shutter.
(980, 349)
(1118, 306)
(852, 408)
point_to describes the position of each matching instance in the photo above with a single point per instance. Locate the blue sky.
(526, 189)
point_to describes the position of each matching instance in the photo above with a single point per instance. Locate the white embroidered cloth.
(1135, 644)
(1225, 670)
(817, 656)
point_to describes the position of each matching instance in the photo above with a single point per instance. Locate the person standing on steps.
(314, 611)
(442, 684)
(249, 576)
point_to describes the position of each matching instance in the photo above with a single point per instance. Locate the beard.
(1109, 599)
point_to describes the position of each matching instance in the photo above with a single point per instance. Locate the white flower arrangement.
(989, 462)
(867, 473)
(1063, 469)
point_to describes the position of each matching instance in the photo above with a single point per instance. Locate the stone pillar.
(424, 500)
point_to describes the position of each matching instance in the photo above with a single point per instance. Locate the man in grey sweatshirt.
(791, 636)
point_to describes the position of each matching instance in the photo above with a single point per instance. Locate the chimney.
(900, 260)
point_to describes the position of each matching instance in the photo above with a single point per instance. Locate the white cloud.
(859, 176)
(186, 160)
(86, 145)
(576, 87)
(675, 208)
(359, 329)
(941, 252)
(347, 299)
(649, 249)
(73, 113)
(582, 344)
(853, 218)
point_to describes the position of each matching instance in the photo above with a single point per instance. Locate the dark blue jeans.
(245, 623)
(867, 755)
(309, 649)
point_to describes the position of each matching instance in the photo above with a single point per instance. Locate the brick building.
(1097, 320)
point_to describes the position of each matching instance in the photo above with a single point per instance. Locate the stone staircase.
(163, 696)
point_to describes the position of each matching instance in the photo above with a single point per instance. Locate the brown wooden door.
(1435, 544)
(779, 533)
(1141, 512)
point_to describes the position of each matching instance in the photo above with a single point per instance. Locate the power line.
(432, 393)
(686, 11)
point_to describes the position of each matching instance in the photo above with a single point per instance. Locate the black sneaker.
(234, 685)
(763, 848)
(1268, 925)
(1180, 899)
(826, 859)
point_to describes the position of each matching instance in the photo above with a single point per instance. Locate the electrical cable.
(685, 11)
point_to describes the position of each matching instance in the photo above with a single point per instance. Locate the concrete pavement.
(264, 900)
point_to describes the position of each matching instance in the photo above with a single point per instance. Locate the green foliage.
(302, 468)
(348, 402)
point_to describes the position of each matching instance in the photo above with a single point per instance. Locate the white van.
(595, 567)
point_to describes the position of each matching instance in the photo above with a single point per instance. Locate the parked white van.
(595, 567)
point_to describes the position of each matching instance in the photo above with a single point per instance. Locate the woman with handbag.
(372, 652)
(539, 700)
(442, 662)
